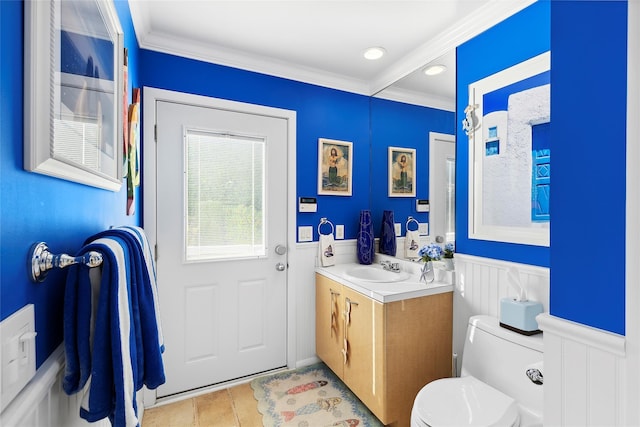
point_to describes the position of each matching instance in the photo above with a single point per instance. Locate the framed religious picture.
(334, 167)
(402, 172)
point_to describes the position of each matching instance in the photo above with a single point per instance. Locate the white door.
(221, 236)
(442, 187)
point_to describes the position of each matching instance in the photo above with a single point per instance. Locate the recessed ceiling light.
(434, 70)
(374, 53)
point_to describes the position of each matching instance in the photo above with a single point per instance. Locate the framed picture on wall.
(74, 91)
(334, 167)
(510, 175)
(402, 172)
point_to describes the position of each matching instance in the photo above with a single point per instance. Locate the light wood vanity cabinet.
(392, 349)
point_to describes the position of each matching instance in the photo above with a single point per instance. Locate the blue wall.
(588, 131)
(36, 207)
(518, 38)
(321, 113)
(588, 142)
(402, 125)
(587, 286)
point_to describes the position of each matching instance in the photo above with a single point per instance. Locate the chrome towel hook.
(40, 260)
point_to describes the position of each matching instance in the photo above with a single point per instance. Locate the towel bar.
(41, 260)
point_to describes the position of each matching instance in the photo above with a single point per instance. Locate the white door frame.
(149, 180)
(434, 214)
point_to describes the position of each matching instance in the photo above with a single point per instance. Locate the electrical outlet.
(305, 234)
(398, 228)
(339, 232)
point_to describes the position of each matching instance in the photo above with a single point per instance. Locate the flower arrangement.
(430, 252)
(449, 249)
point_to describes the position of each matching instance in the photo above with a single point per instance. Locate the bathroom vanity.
(385, 340)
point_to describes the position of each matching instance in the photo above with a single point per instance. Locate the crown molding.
(417, 98)
(148, 39)
(463, 30)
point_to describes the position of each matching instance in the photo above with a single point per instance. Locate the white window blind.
(224, 206)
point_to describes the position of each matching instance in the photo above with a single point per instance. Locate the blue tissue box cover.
(520, 314)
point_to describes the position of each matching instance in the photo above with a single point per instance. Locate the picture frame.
(510, 154)
(73, 66)
(335, 167)
(402, 172)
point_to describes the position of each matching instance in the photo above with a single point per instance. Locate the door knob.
(280, 266)
(439, 239)
(281, 249)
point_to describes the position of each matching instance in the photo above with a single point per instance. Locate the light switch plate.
(398, 228)
(17, 353)
(423, 228)
(305, 234)
(339, 232)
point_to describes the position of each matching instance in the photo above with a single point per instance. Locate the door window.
(224, 203)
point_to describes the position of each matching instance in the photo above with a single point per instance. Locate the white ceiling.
(321, 42)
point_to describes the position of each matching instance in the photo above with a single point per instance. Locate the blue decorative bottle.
(388, 234)
(365, 238)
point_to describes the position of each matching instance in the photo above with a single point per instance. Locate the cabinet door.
(329, 323)
(359, 332)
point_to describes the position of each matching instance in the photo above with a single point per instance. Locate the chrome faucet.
(390, 266)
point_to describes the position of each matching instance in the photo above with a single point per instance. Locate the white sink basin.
(375, 273)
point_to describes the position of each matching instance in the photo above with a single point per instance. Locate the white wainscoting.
(584, 375)
(480, 285)
(43, 403)
(584, 368)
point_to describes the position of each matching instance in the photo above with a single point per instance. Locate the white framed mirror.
(74, 91)
(507, 123)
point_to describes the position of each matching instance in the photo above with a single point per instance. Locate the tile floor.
(231, 407)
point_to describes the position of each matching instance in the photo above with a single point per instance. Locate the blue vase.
(365, 238)
(388, 234)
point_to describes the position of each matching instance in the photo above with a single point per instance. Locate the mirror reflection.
(424, 122)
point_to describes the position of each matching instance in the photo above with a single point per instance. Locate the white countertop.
(386, 291)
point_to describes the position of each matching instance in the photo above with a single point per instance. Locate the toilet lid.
(464, 401)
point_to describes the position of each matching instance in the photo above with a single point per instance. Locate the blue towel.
(113, 339)
(145, 308)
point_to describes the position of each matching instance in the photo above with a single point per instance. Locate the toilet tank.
(500, 357)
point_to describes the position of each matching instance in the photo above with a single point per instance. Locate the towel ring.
(325, 221)
(410, 220)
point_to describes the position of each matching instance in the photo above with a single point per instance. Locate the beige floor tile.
(215, 409)
(233, 407)
(246, 406)
(178, 414)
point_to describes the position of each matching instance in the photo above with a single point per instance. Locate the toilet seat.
(464, 401)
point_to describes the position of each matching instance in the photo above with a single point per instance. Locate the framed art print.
(402, 172)
(510, 154)
(74, 81)
(334, 167)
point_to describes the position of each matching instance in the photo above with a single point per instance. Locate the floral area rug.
(312, 396)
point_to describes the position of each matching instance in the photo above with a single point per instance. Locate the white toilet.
(494, 388)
